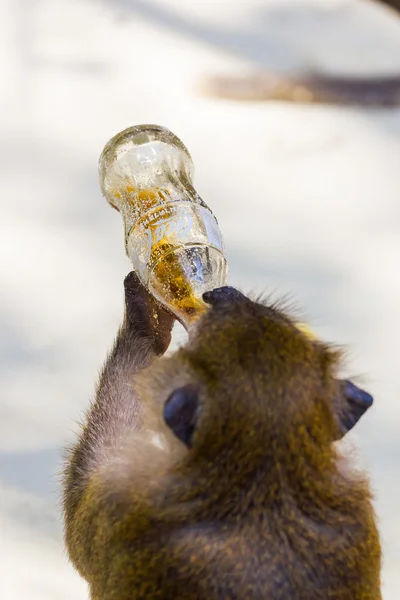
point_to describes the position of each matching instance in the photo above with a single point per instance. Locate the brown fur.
(258, 507)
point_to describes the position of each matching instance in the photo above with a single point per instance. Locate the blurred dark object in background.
(373, 91)
(318, 89)
(395, 4)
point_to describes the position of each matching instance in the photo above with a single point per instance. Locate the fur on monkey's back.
(190, 539)
(275, 554)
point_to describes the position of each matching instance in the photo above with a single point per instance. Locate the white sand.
(307, 199)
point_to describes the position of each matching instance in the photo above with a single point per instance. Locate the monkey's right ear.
(355, 402)
(180, 412)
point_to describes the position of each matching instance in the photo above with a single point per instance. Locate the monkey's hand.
(145, 316)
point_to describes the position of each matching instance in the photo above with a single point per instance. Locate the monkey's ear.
(180, 412)
(354, 403)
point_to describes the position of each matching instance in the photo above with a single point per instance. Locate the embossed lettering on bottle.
(171, 236)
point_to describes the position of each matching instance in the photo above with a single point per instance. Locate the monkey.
(213, 472)
(309, 88)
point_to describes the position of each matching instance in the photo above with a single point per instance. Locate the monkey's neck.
(312, 483)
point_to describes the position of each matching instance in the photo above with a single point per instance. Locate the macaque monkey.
(213, 473)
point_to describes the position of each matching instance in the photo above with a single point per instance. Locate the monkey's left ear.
(354, 403)
(180, 412)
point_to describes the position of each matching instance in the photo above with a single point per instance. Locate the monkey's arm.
(144, 334)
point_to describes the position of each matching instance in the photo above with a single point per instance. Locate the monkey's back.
(213, 562)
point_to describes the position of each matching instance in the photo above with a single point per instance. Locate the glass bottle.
(171, 236)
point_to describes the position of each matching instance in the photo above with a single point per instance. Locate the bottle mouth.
(134, 137)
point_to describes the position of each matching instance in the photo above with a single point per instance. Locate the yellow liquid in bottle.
(168, 277)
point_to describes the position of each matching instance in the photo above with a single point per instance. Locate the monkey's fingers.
(147, 315)
(136, 300)
(133, 284)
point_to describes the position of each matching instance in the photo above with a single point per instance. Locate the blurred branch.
(308, 89)
(394, 4)
(320, 89)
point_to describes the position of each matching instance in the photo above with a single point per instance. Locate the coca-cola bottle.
(171, 236)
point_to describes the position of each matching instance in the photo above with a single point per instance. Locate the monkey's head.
(249, 378)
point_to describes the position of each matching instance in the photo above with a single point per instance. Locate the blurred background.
(307, 198)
